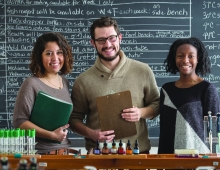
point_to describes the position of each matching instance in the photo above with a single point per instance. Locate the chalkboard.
(148, 30)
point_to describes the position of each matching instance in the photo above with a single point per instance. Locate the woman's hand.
(60, 133)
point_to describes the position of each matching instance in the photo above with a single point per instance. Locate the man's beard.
(107, 58)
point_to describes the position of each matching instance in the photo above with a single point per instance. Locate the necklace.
(53, 84)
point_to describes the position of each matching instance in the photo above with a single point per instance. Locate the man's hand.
(131, 114)
(95, 135)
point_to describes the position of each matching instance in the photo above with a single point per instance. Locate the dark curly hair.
(36, 65)
(203, 65)
(103, 22)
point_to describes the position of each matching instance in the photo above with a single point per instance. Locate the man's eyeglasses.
(111, 39)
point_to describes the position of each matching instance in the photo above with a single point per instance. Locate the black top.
(182, 111)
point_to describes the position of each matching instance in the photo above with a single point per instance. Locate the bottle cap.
(22, 132)
(129, 144)
(105, 144)
(4, 159)
(28, 132)
(205, 156)
(113, 143)
(1, 133)
(33, 160)
(136, 143)
(6, 133)
(23, 161)
(17, 155)
(120, 143)
(32, 133)
(16, 133)
(11, 133)
(4, 162)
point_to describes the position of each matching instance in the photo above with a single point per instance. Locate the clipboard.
(110, 109)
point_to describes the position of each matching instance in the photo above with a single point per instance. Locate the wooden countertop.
(142, 161)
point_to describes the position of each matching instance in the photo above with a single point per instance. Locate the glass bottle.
(4, 163)
(105, 149)
(97, 149)
(113, 149)
(136, 147)
(33, 163)
(23, 164)
(120, 148)
(128, 148)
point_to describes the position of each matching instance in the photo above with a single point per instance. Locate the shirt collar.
(103, 71)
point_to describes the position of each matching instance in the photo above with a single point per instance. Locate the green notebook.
(49, 112)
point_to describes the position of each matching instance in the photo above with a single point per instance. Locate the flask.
(120, 148)
(128, 148)
(113, 149)
(136, 148)
(22, 164)
(33, 163)
(97, 149)
(4, 163)
(105, 148)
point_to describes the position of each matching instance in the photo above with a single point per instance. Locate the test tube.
(31, 142)
(1, 141)
(10, 135)
(22, 141)
(28, 141)
(33, 134)
(16, 140)
(12, 141)
(5, 142)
